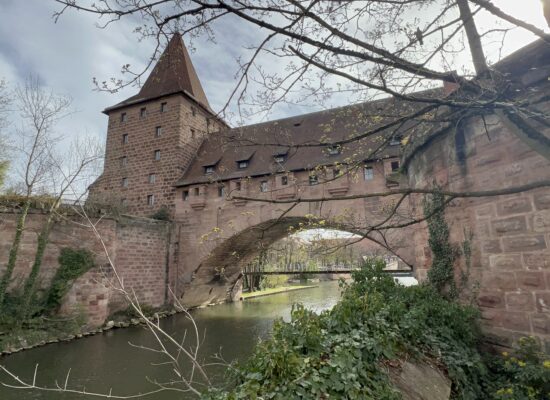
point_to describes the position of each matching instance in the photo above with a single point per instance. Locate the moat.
(108, 360)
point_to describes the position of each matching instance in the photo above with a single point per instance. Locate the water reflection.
(108, 361)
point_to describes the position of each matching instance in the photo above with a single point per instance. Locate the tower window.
(158, 131)
(143, 112)
(125, 138)
(263, 186)
(284, 180)
(394, 166)
(124, 182)
(221, 191)
(334, 150)
(124, 161)
(157, 155)
(313, 180)
(123, 117)
(369, 174)
(150, 199)
(163, 107)
(192, 134)
(152, 178)
(243, 164)
(185, 195)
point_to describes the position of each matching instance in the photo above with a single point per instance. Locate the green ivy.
(444, 254)
(72, 264)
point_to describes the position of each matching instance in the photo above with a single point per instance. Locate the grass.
(270, 291)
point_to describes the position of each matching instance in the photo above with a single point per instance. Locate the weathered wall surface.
(138, 248)
(511, 234)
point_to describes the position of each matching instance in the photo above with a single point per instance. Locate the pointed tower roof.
(173, 73)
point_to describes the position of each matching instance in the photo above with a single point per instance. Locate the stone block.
(541, 221)
(523, 301)
(542, 300)
(539, 260)
(541, 323)
(542, 200)
(530, 280)
(490, 246)
(491, 300)
(509, 226)
(506, 261)
(524, 243)
(517, 205)
(505, 281)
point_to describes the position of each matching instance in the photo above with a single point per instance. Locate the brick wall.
(511, 243)
(183, 125)
(137, 246)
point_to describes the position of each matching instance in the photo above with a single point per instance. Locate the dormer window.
(313, 180)
(243, 164)
(209, 169)
(395, 141)
(334, 150)
(280, 158)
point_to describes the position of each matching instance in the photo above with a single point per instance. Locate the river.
(106, 361)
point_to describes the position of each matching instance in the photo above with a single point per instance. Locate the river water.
(106, 361)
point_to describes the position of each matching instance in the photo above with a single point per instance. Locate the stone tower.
(153, 136)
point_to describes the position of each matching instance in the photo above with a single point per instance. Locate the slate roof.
(173, 73)
(260, 143)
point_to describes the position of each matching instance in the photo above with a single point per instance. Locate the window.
(123, 117)
(238, 186)
(152, 178)
(123, 161)
(142, 112)
(123, 202)
(369, 174)
(197, 191)
(163, 107)
(157, 155)
(284, 180)
(280, 158)
(221, 191)
(394, 166)
(158, 131)
(192, 134)
(193, 111)
(333, 150)
(243, 164)
(185, 195)
(125, 138)
(207, 121)
(313, 180)
(209, 169)
(395, 141)
(124, 182)
(150, 199)
(263, 186)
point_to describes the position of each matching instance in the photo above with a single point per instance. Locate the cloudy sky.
(66, 55)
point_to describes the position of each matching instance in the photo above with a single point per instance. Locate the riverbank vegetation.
(347, 352)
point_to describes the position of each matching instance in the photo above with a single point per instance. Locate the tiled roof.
(173, 73)
(262, 142)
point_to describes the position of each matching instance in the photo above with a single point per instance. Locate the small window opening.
(124, 182)
(124, 161)
(193, 111)
(209, 169)
(192, 134)
(395, 141)
(157, 155)
(334, 150)
(369, 174)
(123, 202)
(163, 107)
(313, 180)
(125, 138)
(185, 195)
(238, 186)
(158, 131)
(221, 191)
(263, 186)
(143, 112)
(394, 166)
(243, 164)
(196, 191)
(123, 117)
(284, 180)
(152, 178)
(150, 199)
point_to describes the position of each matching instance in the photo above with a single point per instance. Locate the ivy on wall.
(73, 263)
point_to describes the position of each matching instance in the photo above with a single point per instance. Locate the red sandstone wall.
(138, 248)
(511, 244)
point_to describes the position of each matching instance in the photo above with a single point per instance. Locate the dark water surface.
(106, 361)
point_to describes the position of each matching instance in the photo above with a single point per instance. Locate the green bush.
(341, 353)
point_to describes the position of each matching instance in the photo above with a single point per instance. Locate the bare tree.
(5, 100)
